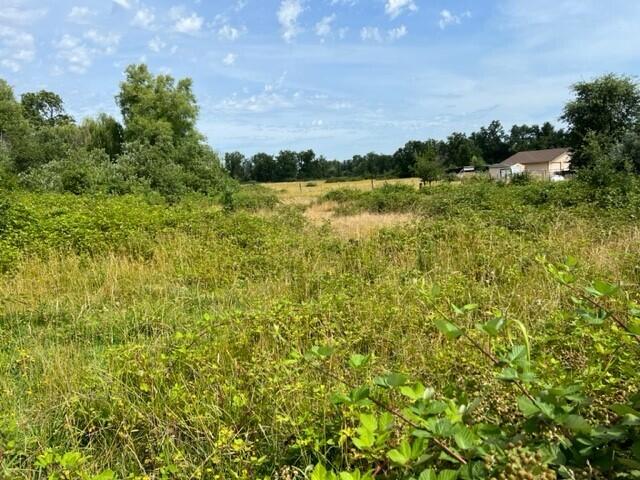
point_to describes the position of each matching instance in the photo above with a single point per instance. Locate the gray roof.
(533, 156)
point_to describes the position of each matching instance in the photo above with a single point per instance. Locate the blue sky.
(339, 76)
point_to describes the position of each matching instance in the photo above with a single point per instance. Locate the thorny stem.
(523, 389)
(395, 413)
(598, 305)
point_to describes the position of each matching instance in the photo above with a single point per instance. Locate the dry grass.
(357, 226)
(298, 193)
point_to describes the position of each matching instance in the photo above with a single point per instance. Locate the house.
(549, 164)
(467, 171)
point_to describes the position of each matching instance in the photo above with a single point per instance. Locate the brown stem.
(597, 304)
(395, 413)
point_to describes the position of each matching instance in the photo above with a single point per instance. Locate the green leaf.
(428, 474)
(402, 454)
(448, 475)
(465, 439)
(71, 460)
(600, 288)
(414, 392)
(106, 475)
(576, 423)
(357, 361)
(621, 410)
(359, 394)
(391, 380)
(527, 407)
(508, 374)
(448, 329)
(369, 421)
(320, 473)
(493, 326)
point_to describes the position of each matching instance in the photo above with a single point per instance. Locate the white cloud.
(227, 32)
(22, 16)
(323, 27)
(394, 8)
(156, 44)
(396, 33)
(16, 48)
(447, 18)
(374, 34)
(108, 41)
(10, 65)
(288, 14)
(75, 53)
(229, 59)
(80, 14)
(184, 22)
(123, 3)
(370, 33)
(143, 18)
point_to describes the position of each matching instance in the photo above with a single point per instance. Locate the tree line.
(490, 144)
(157, 146)
(603, 122)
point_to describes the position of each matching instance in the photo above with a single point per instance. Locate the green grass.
(157, 339)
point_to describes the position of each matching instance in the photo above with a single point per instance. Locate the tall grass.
(156, 339)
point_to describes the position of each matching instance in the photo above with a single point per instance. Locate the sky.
(343, 77)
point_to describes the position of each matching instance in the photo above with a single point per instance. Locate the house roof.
(533, 156)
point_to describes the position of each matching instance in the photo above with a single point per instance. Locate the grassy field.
(147, 340)
(304, 193)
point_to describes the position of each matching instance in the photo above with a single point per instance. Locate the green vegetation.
(160, 322)
(142, 339)
(157, 149)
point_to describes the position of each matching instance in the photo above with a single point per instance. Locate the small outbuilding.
(548, 164)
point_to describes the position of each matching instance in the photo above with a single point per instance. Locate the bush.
(523, 178)
(252, 198)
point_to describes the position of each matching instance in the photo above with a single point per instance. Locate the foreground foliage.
(146, 339)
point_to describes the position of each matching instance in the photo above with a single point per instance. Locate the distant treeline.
(490, 144)
(157, 148)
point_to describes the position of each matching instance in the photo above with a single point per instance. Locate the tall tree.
(103, 133)
(263, 167)
(156, 108)
(286, 165)
(233, 164)
(44, 108)
(462, 151)
(428, 166)
(603, 110)
(492, 142)
(15, 131)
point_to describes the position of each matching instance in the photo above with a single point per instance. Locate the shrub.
(253, 198)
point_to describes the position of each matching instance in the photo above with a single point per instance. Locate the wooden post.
(371, 183)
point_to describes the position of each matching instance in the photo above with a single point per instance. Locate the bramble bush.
(403, 429)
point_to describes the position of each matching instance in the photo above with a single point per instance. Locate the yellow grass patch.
(356, 226)
(304, 193)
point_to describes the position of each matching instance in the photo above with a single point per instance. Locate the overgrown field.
(140, 339)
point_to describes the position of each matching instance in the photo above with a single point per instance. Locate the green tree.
(103, 133)
(286, 165)
(428, 167)
(263, 167)
(156, 109)
(604, 110)
(461, 151)
(16, 134)
(233, 164)
(492, 142)
(44, 108)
